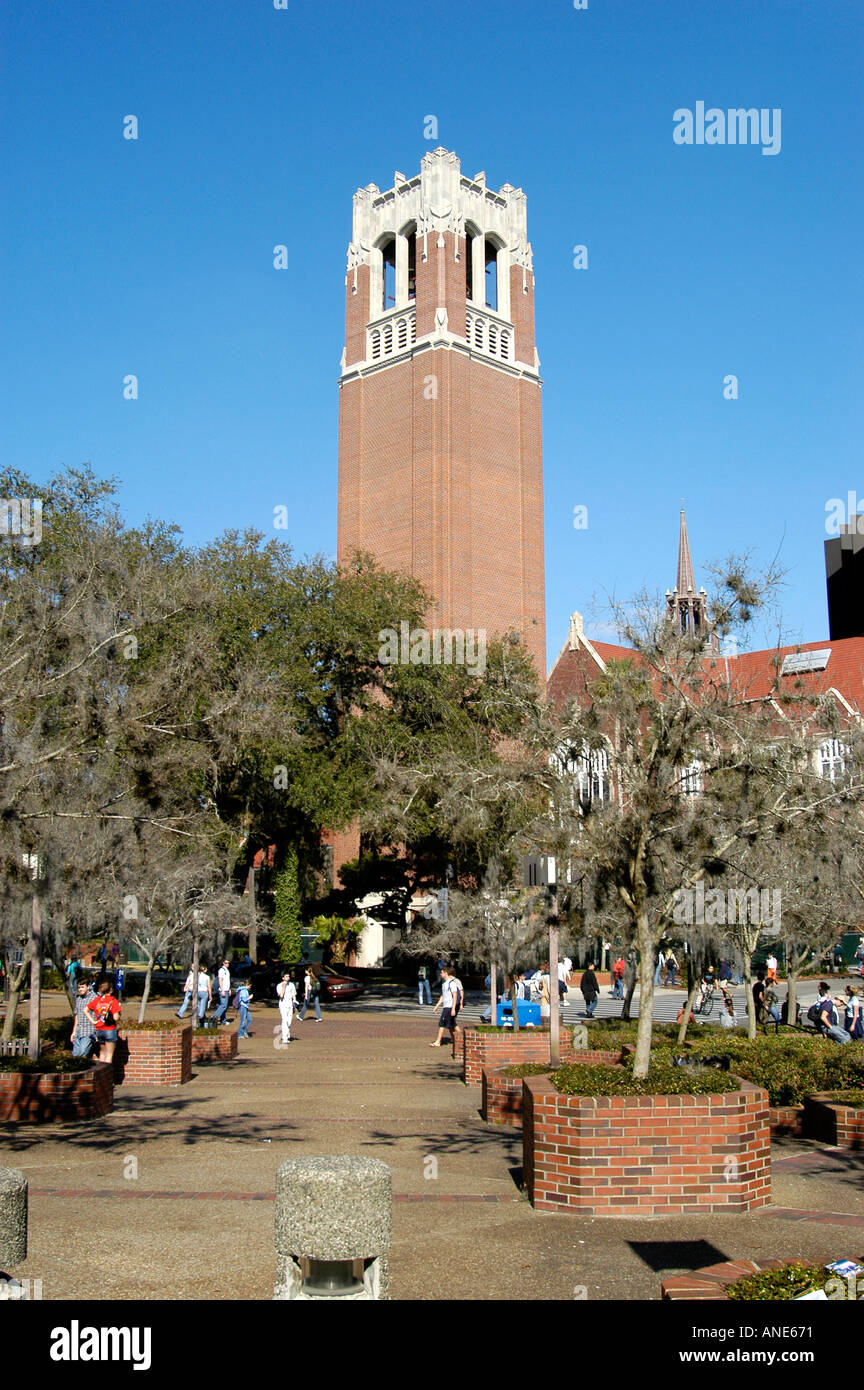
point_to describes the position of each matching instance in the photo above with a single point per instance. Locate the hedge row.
(579, 1079)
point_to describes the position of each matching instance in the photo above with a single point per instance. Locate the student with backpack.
(423, 985)
(311, 995)
(823, 1015)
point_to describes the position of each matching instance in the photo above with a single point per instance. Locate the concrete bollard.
(13, 1217)
(334, 1223)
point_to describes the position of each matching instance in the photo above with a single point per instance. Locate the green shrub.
(790, 1066)
(527, 1069)
(52, 1063)
(579, 1079)
(164, 1025)
(776, 1284)
(51, 1030)
(855, 1098)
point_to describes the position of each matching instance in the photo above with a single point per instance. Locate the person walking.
(448, 1005)
(545, 993)
(104, 1010)
(618, 968)
(590, 990)
(187, 995)
(562, 979)
(423, 985)
(223, 990)
(671, 968)
(84, 1027)
(853, 1020)
(205, 994)
(287, 992)
(771, 970)
(244, 999)
(658, 969)
(859, 955)
(311, 995)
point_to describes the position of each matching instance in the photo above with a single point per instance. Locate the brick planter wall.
(502, 1095)
(833, 1123)
(220, 1047)
(36, 1098)
(711, 1283)
(507, 1049)
(645, 1155)
(153, 1058)
(786, 1119)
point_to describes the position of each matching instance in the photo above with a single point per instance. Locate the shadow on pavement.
(668, 1256)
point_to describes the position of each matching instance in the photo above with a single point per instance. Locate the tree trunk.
(688, 1009)
(791, 995)
(15, 987)
(751, 1002)
(195, 958)
(642, 1059)
(35, 952)
(631, 976)
(253, 921)
(493, 990)
(554, 1013)
(146, 993)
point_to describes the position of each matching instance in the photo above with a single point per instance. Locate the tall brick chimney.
(440, 446)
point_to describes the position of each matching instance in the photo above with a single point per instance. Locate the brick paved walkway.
(183, 1180)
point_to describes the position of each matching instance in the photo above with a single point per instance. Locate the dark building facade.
(844, 574)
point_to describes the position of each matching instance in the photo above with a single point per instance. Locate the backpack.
(813, 1013)
(235, 1002)
(315, 987)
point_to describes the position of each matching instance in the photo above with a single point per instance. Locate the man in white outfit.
(287, 991)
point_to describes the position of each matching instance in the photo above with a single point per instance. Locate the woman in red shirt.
(105, 1011)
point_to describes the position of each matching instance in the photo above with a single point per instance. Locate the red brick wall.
(449, 488)
(841, 1125)
(42, 1098)
(153, 1058)
(220, 1047)
(786, 1119)
(502, 1095)
(645, 1155)
(495, 1050)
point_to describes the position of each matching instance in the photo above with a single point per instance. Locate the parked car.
(335, 989)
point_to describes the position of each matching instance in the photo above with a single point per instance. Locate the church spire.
(686, 581)
(687, 607)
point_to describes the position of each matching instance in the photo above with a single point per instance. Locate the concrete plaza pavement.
(178, 1184)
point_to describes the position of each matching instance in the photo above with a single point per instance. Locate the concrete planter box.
(506, 1049)
(645, 1155)
(502, 1095)
(218, 1047)
(153, 1057)
(35, 1098)
(839, 1125)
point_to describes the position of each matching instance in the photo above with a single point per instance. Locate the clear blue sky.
(256, 125)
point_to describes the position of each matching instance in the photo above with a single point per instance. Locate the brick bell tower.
(440, 446)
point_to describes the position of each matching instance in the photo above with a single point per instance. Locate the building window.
(412, 265)
(491, 259)
(835, 761)
(388, 255)
(589, 770)
(690, 782)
